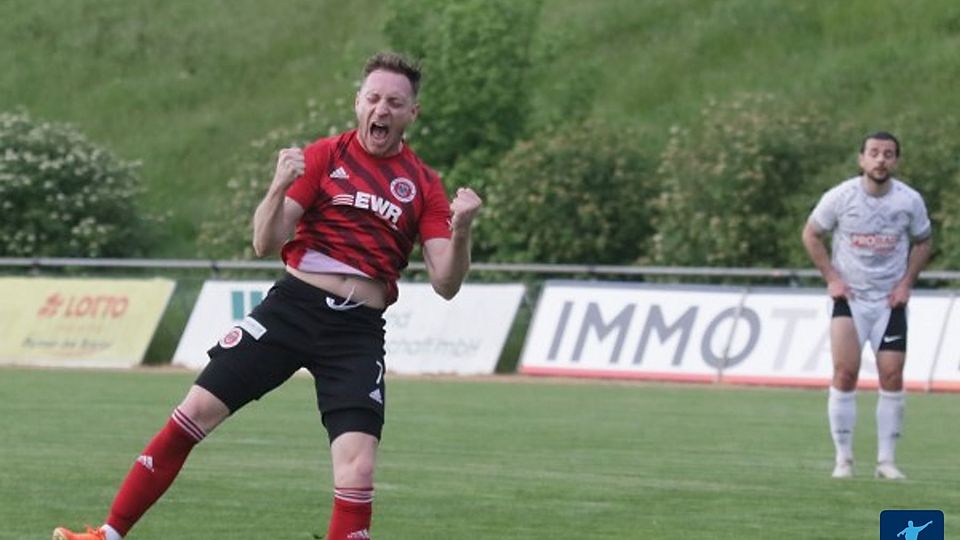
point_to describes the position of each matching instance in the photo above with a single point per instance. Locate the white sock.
(111, 533)
(890, 407)
(842, 413)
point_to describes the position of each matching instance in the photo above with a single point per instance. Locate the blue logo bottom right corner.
(911, 525)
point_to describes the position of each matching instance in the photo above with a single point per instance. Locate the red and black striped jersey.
(364, 211)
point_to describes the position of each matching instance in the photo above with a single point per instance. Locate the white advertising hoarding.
(691, 333)
(425, 334)
(791, 328)
(632, 332)
(220, 306)
(946, 372)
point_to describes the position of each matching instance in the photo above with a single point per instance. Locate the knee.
(360, 467)
(357, 472)
(891, 382)
(204, 408)
(845, 379)
(354, 459)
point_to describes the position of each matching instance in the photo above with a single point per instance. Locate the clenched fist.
(290, 165)
(463, 209)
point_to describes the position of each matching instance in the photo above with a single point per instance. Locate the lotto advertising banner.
(79, 322)
(708, 334)
(425, 333)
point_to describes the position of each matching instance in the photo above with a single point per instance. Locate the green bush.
(739, 184)
(575, 194)
(476, 57)
(61, 195)
(228, 233)
(946, 239)
(930, 164)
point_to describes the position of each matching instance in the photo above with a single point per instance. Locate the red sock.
(352, 508)
(154, 471)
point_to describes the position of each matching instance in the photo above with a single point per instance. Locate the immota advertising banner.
(773, 336)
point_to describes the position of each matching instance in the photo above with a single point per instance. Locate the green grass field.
(471, 459)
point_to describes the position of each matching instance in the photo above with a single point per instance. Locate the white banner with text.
(711, 334)
(79, 322)
(425, 334)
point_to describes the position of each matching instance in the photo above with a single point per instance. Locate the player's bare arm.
(919, 255)
(448, 260)
(813, 242)
(277, 214)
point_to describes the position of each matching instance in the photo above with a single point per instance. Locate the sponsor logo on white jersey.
(876, 242)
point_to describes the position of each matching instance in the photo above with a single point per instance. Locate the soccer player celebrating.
(881, 240)
(345, 213)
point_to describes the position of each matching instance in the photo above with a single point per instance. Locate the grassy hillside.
(184, 86)
(863, 60)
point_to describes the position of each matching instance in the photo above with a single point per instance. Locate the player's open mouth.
(379, 131)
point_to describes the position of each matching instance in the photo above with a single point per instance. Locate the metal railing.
(37, 264)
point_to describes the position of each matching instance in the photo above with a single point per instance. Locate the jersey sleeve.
(435, 221)
(308, 187)
(920, 228)
(824, 216)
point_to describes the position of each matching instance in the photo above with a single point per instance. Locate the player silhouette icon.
(910, 532)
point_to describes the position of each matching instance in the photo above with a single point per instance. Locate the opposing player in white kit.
(881, 240)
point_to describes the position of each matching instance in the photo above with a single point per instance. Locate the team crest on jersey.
(231, 338)
(403, 189)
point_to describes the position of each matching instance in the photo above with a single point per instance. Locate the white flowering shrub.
(61, 195)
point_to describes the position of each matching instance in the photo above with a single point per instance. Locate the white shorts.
(878, 323)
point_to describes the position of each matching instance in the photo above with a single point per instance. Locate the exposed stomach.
(357, 289)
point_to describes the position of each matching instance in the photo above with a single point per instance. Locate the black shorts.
(300, 326)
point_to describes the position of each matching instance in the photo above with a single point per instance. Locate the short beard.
(879, 180)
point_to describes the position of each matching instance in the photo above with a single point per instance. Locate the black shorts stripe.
(895, 336)
(841, 308)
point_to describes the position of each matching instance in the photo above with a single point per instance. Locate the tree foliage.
(738, 185)
(476, 57)
(228, 232)
(733, 187)
(930, 163)
(572, 194)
